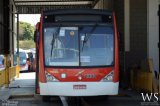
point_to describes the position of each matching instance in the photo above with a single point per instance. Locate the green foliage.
(26, 31)
(26, 44)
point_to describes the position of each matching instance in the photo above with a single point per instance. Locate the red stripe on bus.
(116, 71)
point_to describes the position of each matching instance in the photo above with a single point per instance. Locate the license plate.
(79, 87)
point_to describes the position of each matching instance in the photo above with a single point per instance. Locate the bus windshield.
(79, 46)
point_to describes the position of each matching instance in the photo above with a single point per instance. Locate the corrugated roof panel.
(36, 6)
(39, 9)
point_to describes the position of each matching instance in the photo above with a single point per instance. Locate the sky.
(30, 18)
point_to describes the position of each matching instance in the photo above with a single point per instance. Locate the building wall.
(138, 33)
(153, 32)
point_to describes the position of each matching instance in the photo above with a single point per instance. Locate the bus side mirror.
(35, 33)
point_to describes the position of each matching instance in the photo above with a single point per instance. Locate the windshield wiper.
(87, 36)
(84, 41)
(55, 35)
(52, 43)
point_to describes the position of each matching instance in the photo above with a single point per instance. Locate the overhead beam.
(24, 1)
(55, 3)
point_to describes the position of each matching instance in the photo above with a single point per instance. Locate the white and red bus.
(77, 53)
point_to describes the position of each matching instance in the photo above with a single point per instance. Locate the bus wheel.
(46, 98)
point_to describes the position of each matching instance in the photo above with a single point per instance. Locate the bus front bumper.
(79, 88)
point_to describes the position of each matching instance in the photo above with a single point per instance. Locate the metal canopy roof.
(36, 6)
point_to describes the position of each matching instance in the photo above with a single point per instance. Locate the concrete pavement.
(21, 93)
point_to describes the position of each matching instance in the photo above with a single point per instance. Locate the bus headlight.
(108, 77)
(63, 75)
(50, 78)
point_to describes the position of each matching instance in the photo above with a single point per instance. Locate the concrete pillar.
(104, 4)
(153, 31)
(127, 25)
(18, 58)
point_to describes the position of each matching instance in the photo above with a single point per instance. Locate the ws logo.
(150, 99)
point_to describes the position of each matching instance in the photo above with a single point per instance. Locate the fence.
(8, 74)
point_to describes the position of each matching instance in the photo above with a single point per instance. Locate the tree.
(26, 31)
(26, 44)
